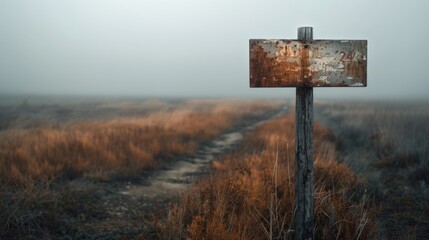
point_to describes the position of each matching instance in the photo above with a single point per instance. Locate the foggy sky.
(199, 48)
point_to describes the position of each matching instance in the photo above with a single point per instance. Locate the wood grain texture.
(304, 216)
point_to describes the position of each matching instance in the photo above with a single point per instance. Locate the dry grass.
(124, 144)
(387, 143)
(34, 204)
(251, 193)
(40, 210)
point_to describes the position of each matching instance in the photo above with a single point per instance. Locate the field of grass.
(387, 143)
(99, 146)
(251, 193)
(39, 150)
(58, 161)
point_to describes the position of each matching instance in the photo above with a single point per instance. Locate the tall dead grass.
(33, 205)
(124, 144)
(387, 143)
(251, 193)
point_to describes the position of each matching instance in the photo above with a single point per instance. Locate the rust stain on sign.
(318, 63)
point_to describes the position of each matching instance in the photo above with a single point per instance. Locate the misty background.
(197, 48)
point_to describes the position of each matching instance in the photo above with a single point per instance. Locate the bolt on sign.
(304, 63)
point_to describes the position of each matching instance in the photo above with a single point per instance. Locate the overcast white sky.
(199, 47)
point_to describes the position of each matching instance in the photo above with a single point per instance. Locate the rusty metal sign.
(318, 63)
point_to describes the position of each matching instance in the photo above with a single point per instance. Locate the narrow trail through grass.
(250, 192)
(105, 177)
(126, 208)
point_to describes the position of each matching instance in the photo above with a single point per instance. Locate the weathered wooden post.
(306, 63)
(304, 227)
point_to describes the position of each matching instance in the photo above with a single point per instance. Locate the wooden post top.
(305, 33)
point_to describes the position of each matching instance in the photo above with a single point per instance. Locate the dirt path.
(124, 208)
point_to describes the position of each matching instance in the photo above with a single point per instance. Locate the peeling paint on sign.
(318, 63)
